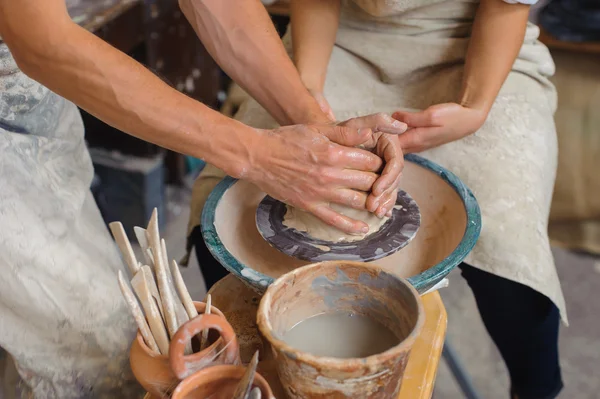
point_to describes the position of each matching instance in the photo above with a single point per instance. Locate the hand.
(437, 125)
(383, 195)
(384, 143)
(311, 166)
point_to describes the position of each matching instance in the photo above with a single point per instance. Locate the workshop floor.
(579, 343)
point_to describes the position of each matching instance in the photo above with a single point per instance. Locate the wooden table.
(240, 304)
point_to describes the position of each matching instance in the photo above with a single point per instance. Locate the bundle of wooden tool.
(164, 298)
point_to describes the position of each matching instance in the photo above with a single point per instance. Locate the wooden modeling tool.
(184, 294)
(180, 311)
(245, 384)
(155, 320)
(255, 394)
(148, 255)
(138, 315)
(166, 294)
(146, 274)
(142, 236)
(204, 335)
(125, 246)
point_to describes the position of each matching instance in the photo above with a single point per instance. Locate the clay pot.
(154, 371)
(341, 286)
(185, 365)
(218, 382)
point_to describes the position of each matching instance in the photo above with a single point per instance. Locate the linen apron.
(393, 54)
(62, 317)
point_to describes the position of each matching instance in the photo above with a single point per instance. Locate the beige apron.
(62, 317)
(392, 54)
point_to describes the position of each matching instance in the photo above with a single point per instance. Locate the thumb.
(347, 136)
(325, 107)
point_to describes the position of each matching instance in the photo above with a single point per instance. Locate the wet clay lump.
(303, 221)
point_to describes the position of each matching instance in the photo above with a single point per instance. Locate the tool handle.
(185, 365)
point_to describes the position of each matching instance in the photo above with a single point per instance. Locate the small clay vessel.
(185, 365)
(348, 287)
(218, 382)
(153, 371)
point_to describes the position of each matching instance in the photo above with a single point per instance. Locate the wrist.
(229, 145)
(307, 111)
(476, 99)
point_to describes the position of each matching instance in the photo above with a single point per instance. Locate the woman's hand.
(311, 166)
(437, 125)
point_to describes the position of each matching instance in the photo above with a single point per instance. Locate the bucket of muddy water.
(341, 330)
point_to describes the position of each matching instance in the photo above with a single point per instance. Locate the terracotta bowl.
(450, 226)
(154, 371)
(349, 287)
(218, 382)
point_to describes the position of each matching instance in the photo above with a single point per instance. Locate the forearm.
(497, 37)
(110, 85)
(242, 39)
(314, 27)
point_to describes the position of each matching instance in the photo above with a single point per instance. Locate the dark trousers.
(522, 322)
(524, 326)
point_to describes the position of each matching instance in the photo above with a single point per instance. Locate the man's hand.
(384, 143)
(437, 125)
(312, 166)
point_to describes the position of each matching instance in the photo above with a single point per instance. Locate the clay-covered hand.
(311, 166)
(437, 125)
(385, 143)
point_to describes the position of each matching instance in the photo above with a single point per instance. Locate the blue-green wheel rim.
(422, 281)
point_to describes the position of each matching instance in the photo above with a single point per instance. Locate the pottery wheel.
(396, 233)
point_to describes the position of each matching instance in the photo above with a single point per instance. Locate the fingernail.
(380, 213)
(364, 131)
(389, 214)
(399, 125)
(365, 230)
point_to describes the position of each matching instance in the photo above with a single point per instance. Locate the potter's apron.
(392, 54)
(62, 317)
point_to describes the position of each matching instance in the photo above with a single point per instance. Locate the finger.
(418, 138)
(341, 222)
(352, 198)
(378, 122)
(355, 158)
(415, 119)
(382, 204)
(394, 163)
(331, 115)
(388, 203)
(345, 135)
(387, 200)
(348, 178)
